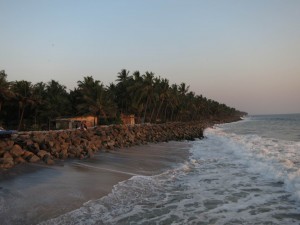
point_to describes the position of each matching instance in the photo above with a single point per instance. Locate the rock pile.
(47, 146)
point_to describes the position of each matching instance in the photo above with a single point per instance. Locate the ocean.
(247, 172)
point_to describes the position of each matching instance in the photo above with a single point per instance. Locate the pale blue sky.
(245, 54)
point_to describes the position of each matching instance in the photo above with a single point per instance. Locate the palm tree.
(149, 97)
(183, 89)
(95, 98)
(173, 100)
(123, 75)
(75, 100)
(123, 101)
(133, 88)
(39, 97)
(5, 92)
(112, 92)
(57, 102)
(146, 91)
(136, 75)
(183, 107)
(163, 94)
(191, 106)
(23, 91)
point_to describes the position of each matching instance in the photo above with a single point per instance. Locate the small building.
(128, 119)
(75, 122)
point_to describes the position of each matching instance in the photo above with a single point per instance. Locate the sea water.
(246, 172)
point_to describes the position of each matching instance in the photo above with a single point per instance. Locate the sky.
(244, 53)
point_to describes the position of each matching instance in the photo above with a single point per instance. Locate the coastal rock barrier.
(49, 146)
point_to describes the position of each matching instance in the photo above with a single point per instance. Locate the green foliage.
(5, 93)
(27, 106)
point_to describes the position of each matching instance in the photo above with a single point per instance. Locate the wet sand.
(33, 193)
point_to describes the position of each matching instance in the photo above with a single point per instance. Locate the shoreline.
(7, 170)
(41, 192)
(52, 146)
(31, 193)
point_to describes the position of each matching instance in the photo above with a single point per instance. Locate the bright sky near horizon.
(241, 53)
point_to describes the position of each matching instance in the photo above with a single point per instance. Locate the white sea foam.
(272, 158)
(124, 202)
(229, 179)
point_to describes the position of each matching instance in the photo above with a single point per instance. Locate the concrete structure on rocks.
(75, 122)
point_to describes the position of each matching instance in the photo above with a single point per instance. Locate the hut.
(75, 122)
(128, 119)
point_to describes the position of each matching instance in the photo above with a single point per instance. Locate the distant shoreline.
(52, 146)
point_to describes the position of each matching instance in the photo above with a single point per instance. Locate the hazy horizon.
(241, 53)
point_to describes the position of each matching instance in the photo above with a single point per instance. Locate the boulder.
(17, 151)
(50, 143)
(6, 163)
(111, 144)
(62, 155)
(48, 160)
(42, 154)
(28, 142)
(36, 146)
(76, 141)
(64, 147)
(7, 155)
(90, 153)
(7, 144)
(2, 151)
(19, 160)
(27, 155)
(43, 146)
(63, 135)
(38, 139)
(32, 148)
(34, 159)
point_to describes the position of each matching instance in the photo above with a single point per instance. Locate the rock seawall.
(48, 146)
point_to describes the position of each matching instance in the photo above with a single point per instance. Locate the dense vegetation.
(27, 106)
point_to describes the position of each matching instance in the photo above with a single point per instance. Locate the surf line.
(110, 170)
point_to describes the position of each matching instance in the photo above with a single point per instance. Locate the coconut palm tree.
(95, 99)
(39, 96)
(163, 95)
(133, 88)
(5, 92)
(123, 76)
(123, 101)
(173, 100)
(57, 102)
(23, 92)
(183, 89)
(146, 91)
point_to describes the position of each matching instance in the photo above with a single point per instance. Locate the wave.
(228, 179)
(126, 201)
(272, 158)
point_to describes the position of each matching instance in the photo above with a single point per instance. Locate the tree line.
(28, 106)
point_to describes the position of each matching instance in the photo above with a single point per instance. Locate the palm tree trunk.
(35, 115)
(146, 106)
(21, 118)
(153, 112)
(166, 112)
(172, 114)
(104, 114)
(159, 108)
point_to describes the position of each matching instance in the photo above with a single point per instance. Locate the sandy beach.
(32, 193)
